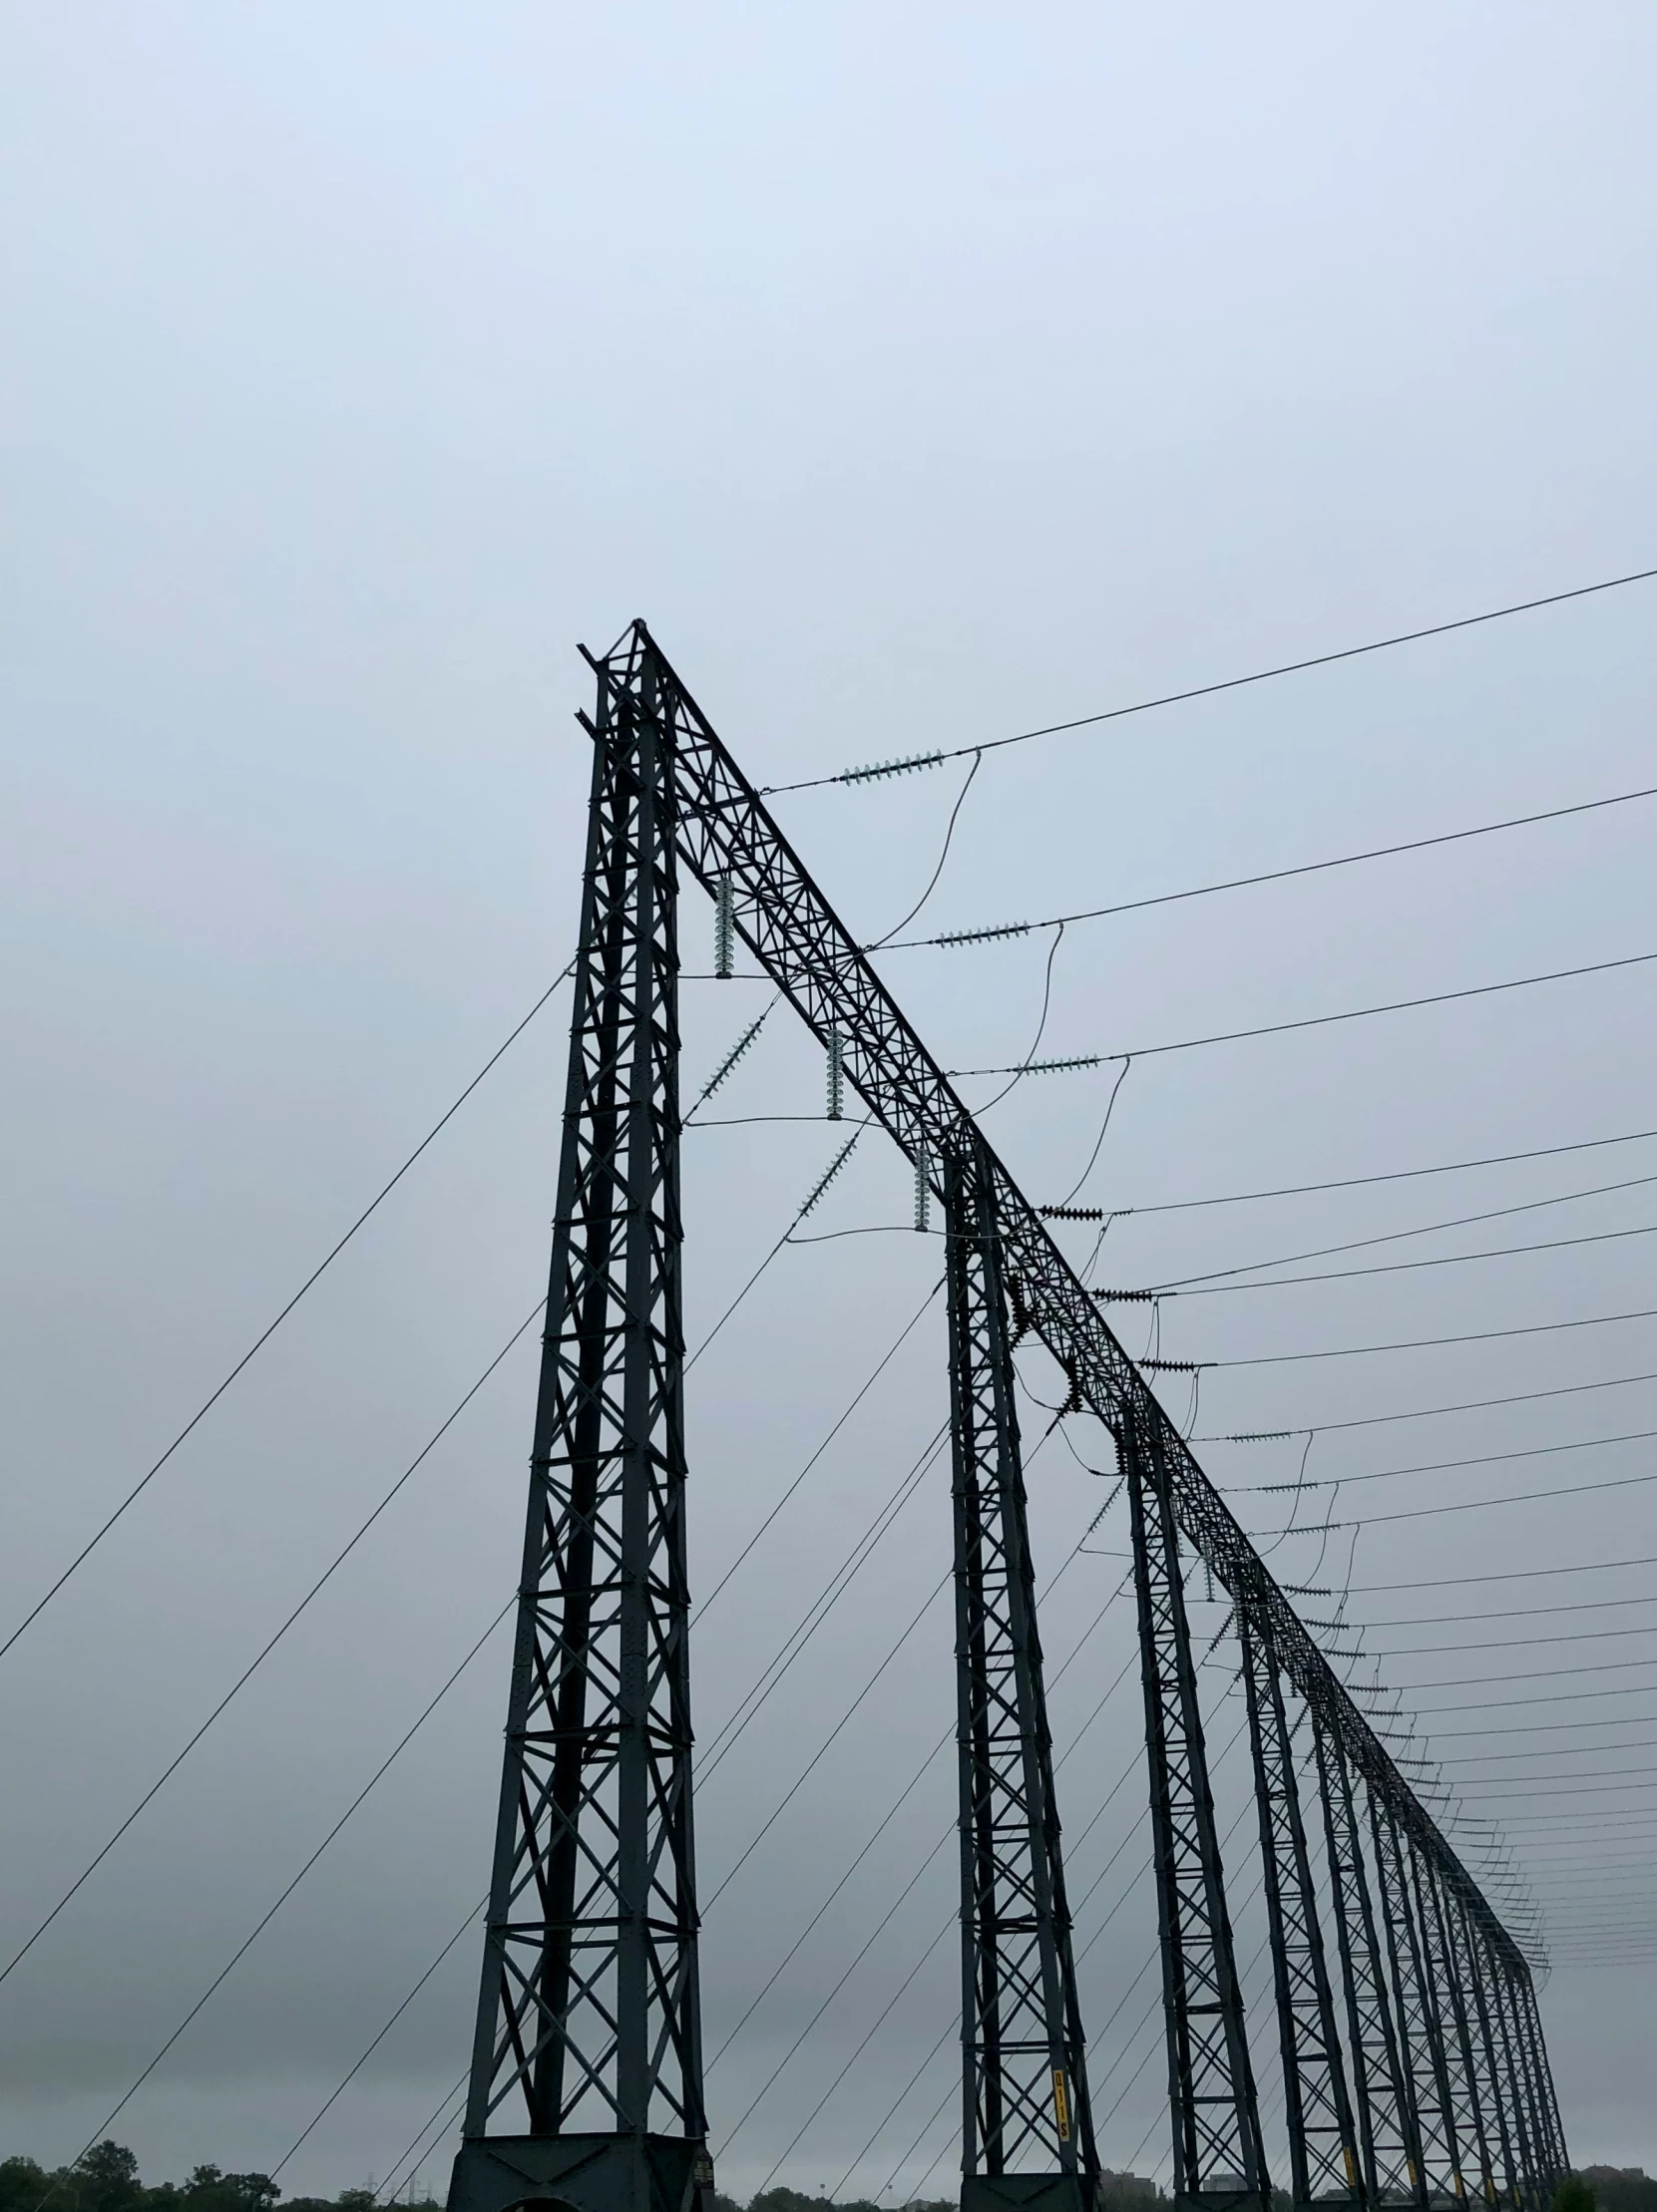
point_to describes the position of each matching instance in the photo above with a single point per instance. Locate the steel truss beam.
(1387, 2135)
(1219, 2158)
(585, 2076)
(732, 846)
(1323, 2149)
(1027, 2122)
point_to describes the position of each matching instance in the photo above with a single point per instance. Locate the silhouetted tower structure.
(586, 2090)
(586, 2069)
(1026, 2119)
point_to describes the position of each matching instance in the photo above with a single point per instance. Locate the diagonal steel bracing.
(1323, 2149)
(1026, 2123)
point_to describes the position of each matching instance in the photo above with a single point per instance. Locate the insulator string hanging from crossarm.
(724, 927)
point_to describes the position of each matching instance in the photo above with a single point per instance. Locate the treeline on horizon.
(107, 2179)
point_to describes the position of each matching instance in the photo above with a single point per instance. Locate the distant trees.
(107, 2179)
(1617, 2188)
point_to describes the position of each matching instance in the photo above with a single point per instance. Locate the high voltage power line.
(1080, 1061)
(1412, 1343)
(265, 1336)
(1211, 690)
(1425, 1228)
(1426, 1412)
(1340, 1182)
(1390, 1267)
(957, 940)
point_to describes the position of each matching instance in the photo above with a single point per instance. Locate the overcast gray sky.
(922, 374)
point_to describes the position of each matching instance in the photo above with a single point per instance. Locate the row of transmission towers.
(1414, 2067)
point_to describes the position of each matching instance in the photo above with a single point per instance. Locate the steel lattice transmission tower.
(1426, 2085)
(587, 2070)
(1027, 2118)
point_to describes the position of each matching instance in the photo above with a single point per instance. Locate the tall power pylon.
(587, 2068)
(1426, 2084)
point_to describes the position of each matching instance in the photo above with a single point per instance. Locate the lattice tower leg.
(1474, 1965)
(1219, 2158)
(1517, 2089)
(1420, 2043)
(1322, 2150)
(587, 2070)
(1386, 2118)
(1450, 1994)
(1027, 2128)
(1553, 2131)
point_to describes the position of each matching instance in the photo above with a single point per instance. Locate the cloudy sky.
(923, 375)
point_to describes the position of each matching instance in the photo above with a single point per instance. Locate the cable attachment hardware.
(828, 1175)
(724, 927)
(879, 768)
(732, 1056)
(953, 937)
(836, 1076)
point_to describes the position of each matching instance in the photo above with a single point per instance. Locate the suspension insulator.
(923, 1194)
(836, 1078)
(724, 927)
